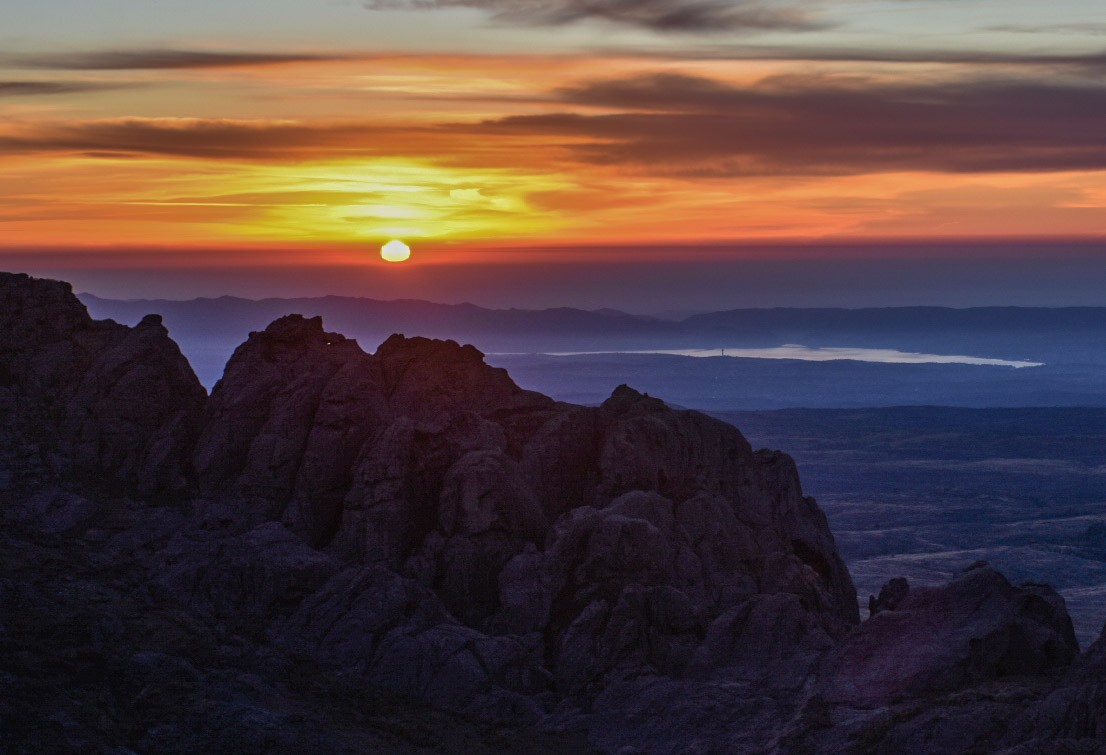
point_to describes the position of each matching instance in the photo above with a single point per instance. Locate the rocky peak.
(427, 379)
(47, 309)
(290, 337)
(400, 349)
(297, 330)
(47, 337)
(625, 399)
(122, 403)
(293, 328)
(288, 391)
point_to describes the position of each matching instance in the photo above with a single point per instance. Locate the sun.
(395, 251)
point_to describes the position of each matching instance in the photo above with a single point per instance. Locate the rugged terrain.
(339, 551)
(919, 492)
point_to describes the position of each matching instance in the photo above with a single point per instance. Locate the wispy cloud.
(211, 139)
(1084, 29)
(820, 125)
(37, 88)
(669, 124)
(279, 141)
(1089, 60)
(670, 16)
(123, 60)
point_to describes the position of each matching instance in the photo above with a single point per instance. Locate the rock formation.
(935, 639)
(332, 525)
(422, 459)
(116, 403)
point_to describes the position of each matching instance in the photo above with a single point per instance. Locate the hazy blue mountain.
(375, 317)
(1069, 333)
(1069, 341)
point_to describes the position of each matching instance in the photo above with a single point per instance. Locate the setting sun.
(395, 251)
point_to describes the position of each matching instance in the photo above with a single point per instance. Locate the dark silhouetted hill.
(334, 540)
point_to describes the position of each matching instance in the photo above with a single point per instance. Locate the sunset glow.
(328, 127)
(395, 251)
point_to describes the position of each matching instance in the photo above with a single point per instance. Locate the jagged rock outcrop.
(293, 407)
(978, 627)
(412, 521)
(422, 459)
(110, 401)
(288, 426)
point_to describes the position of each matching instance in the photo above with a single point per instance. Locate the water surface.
(826, 354)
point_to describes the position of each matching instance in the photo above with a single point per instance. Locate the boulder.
(978, 627)
(890, 596)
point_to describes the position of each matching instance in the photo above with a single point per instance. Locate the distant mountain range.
(1069, 341)
(384, 317)
(565, 327)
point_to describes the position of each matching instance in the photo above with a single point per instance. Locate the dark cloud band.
(204, 139)
(677, 125)
(822, 125)
(689, 16)
(1090, 61)
(38, 88)
(123, 60)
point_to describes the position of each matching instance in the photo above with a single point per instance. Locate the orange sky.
(462, 153)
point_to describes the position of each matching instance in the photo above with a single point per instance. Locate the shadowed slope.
(413, 521)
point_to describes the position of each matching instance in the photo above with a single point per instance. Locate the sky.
(649, 154)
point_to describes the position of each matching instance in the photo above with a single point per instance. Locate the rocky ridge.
(410, 528)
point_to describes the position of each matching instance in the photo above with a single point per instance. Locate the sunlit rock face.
(413, 521)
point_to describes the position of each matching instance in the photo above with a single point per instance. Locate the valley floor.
(922, 492)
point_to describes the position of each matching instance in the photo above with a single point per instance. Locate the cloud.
(686, 16)
(822, 125)
(36, 88)
(222, 139)
(289, 198)
(200, 138)
(1083, 29)
(122, 60)
(1087, 60)
(670, 125)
